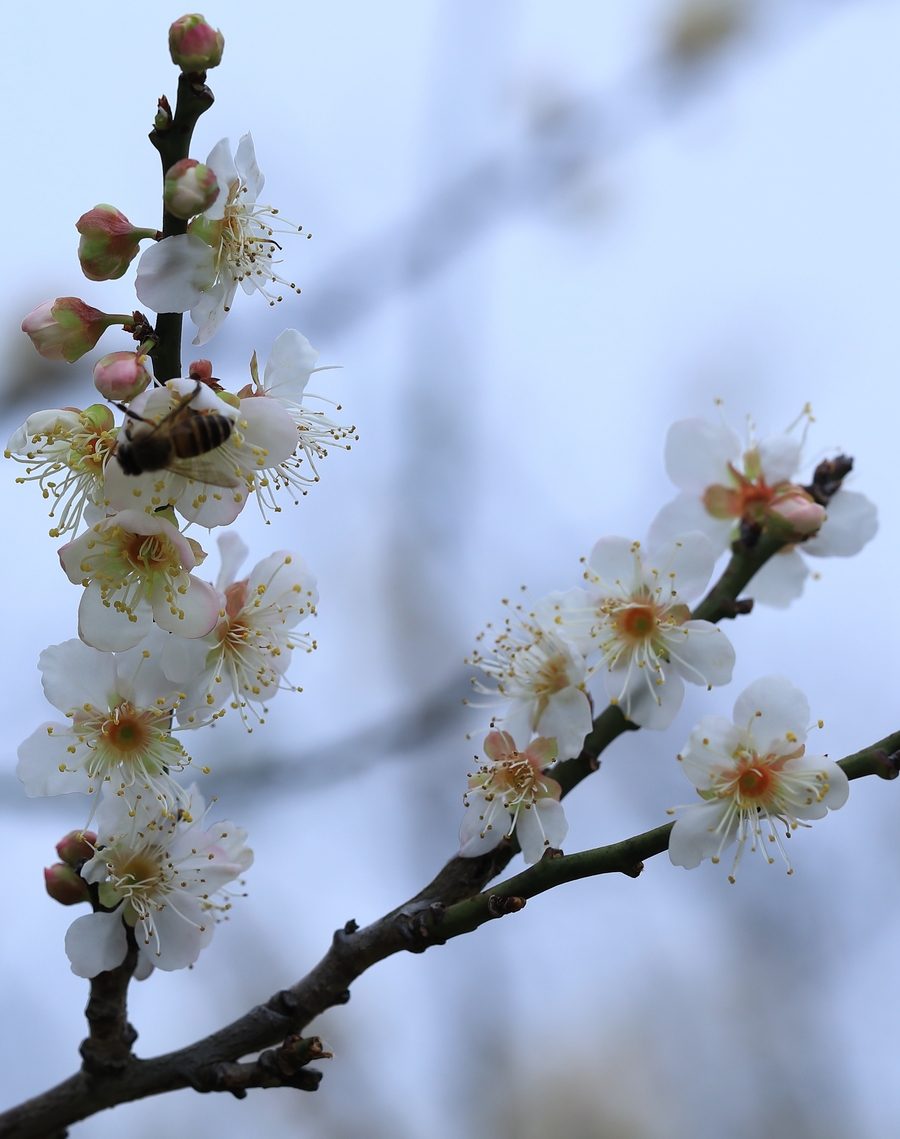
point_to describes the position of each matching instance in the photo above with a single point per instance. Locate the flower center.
(150, 554)
(637, 622)
(552, 676)
(127, 731)
(754, 783)
(137, 869)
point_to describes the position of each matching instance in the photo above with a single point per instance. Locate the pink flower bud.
(194, 45)
(108, 243)
(121, 375)
(200, 370)
(66, 328)
(190, 188)
(65, 886)
(799, 511)
(76, 847)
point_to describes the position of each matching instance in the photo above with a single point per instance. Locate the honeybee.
(179, 442)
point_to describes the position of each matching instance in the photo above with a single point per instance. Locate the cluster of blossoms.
(627, 638)
(161, 650)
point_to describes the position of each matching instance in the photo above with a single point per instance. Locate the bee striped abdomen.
(199, 434)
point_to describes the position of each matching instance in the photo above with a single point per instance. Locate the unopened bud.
(194, 45)
(109, 242)
(66, 328)
(122, 375)
(76, 846)
(799, 511)
(200, 370)
(190, 188)
(65, 885)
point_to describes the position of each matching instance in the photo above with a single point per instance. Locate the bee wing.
(209, 468)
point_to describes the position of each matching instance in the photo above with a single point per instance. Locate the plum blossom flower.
(543, 675)
(211, 488)
(752, 775)
(290, 364)
(165, 873)
(135, 568)
(647, 641)
(723, 485)
(232, 243)
(119, 708)
(247, 654)
(512, 793)
(65, 451)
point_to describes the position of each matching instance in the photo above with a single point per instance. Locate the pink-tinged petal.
(484, 825)
(40, 757)
(682, 566)
(210, 310)
(698, 453)
(699, 833)
(780, 581)
(566, 718)
(775, 713)
(702, 653)
(541, 827)
(615, 561)
(851, 521)
(642, 700)
(497, 745)
(248, 169)
(180, 937)
(73, 674)
(290, 363)
(709, 751)
(96, 943)
(779, 457)
(543, 751)
(103, 627)
(222, 165)
(197, 613)
(270, 434)
(233, 551)
(173, 274)
(687, 512)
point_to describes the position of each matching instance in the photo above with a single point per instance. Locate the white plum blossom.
(542, 674)
(64, 451)
(165, 873)
(245, 657)
(135, 568)
(119, 708)
(648, 643)
(232, 243)
(723, 483)
(290, 364)
(212, 488)
(753, 775)
(513, 794)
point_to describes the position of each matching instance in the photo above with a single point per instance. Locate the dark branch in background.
(172, 138)
(454, 903)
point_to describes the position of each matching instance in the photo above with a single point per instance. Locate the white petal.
(210, 310)
(144, 965)
(698, 454)
(709, 751)
(702, 653)
(642, 700)
(289, 365)
(73, 674)
(40, 758)
(270, 434)
(567, 718)
(96, 943)
(183, 659)
(571, 616)
(178, 927)
(616, 561)
(542, 826)
(683, 565)
(105, 628)
(851, 521)
(770, 709)
(780, 581)
(199, 609)
(248, 170)
(492, 825)
(687, 512)
(838, 785)
(696, 836)
(779, 457)
(173, 273)
(222, 165)
(233, 551)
